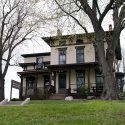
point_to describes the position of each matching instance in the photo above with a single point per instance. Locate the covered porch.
(71, 78)
(34, 83)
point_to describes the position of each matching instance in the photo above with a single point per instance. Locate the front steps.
(5, 102)
(57, 96)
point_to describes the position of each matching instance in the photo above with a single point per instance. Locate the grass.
(65, 113)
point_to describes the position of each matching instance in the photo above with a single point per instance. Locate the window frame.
(39, 65)
(99, 75)
(32, 84)
(59, 55)
(79, 55)
(82, 76)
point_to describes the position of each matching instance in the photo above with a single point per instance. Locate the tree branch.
(108, 7)
(69, 14)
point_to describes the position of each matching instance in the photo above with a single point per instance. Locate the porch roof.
(73, 66)
(33, 72)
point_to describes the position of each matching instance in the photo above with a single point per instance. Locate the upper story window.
(39, 63)
(62, 56)
(80, 55)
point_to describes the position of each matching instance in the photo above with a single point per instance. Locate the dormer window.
(39, 63)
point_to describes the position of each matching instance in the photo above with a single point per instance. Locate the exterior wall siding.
(33, 59)
(89, 54)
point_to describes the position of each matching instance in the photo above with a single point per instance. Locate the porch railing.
(33, 93)
(86, 90)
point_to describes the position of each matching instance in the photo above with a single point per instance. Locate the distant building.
(70, 69)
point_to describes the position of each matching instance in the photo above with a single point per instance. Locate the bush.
(83, 91)
(121, 95)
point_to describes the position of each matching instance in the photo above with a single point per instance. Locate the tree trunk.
(109, 90)
(1, 88)
(106, 59)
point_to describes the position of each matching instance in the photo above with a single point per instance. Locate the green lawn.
(64, 113)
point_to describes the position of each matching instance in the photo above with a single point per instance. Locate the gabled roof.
(36, 54)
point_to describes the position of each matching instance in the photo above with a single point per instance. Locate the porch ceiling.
(73, 66)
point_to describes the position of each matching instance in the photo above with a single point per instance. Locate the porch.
(34, 84)
(72, 78)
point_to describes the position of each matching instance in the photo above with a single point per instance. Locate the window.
(99, 79)
(80, 78)
(30, 82)
(62, 56)
(80, 55)
(39, 63)
(120, 83)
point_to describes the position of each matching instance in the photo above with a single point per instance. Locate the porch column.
(88, 78)
(69, 89)
(21, 88)
(35, 86)
(54, 80)
(26, 86)
(11, 91)
(50, 73)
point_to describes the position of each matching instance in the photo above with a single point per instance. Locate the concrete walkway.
(5, 102)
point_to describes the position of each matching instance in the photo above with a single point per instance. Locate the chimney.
(110, 27)
(59, 33)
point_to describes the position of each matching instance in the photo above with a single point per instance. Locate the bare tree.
(96, 10)
(16, 26)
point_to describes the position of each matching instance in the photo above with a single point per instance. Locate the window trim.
(99, 75)
(33, 82)
(80, 47)
(59, 50)
(41, 66)
(83, 72)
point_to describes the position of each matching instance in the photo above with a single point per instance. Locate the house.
(71, 68)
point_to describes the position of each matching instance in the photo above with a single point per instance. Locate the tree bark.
(1, 88)
(106, 59)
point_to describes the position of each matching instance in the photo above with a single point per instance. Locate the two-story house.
(71, 66)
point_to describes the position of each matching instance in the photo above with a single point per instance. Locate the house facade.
(71, 67)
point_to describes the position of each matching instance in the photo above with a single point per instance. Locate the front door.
(62, 83)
